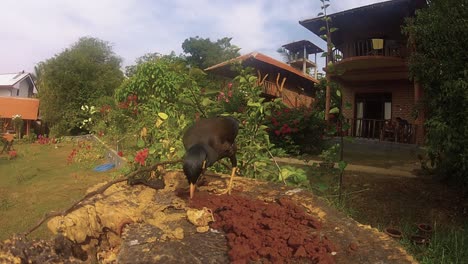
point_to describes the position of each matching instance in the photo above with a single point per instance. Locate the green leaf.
(333, 29)
(323, 28)
(338, 93)
(320, 14)
(206, 101)
(334, 110)
(342, 165)
(152, 150)
(253, 104)
(163, 116)
(140, 143)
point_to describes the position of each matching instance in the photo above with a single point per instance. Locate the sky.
(32, 31)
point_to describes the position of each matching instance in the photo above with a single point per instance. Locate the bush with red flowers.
(12, 154)
(296, 130)
(141, 157)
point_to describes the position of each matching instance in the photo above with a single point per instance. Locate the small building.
(17, 92)
(298, 56)
(370, 58)
(277, 79)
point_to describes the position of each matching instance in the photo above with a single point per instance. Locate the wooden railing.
(358, 48)
(382, 130)
(272, 89)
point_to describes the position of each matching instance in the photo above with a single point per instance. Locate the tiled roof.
(28, 108)
(264, 58)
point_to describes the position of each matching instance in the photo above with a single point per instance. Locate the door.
(372, 109)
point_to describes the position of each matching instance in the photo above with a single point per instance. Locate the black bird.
(206, 142)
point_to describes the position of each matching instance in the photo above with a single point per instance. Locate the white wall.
(5, 92)
(24, 88)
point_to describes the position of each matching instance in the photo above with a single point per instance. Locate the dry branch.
(98, 191)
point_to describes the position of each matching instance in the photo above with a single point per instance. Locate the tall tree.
(86, 71)
(439, 37)
(203, 53)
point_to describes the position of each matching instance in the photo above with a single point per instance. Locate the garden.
(56, 207)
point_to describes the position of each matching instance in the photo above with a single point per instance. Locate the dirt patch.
(137, 224)
(279, 232)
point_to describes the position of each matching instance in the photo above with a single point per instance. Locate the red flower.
(12, 154)
(120, 153)
(229, 85)
(277, 132)
(286, 110)
(141, 156)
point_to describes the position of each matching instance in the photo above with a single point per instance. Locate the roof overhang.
(260, 61)
(380, 20)
(28, 108)
(299, 46)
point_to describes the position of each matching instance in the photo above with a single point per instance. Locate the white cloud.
(32, 31)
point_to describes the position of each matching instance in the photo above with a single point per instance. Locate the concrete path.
(394, 171)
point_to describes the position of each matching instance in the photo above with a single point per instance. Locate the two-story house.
(372, 68)
(16, 98)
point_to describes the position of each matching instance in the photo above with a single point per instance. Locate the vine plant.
(330, 69)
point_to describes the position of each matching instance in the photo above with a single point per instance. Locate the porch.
(382, 130)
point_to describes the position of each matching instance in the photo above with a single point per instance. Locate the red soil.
(278, 232)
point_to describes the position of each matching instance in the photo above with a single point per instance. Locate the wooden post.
(28, 126)
(304, 64)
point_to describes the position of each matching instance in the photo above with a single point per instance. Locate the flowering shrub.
(44, 140)
(85, 152)
(141, 157)
(12, 154)
(296, 130)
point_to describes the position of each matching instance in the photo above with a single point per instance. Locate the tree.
(85, 72)
(438, 36)
(203, 53)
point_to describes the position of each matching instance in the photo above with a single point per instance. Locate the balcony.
(359, 62)
(360, 48)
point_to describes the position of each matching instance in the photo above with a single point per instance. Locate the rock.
(202, 229)
(200, 217)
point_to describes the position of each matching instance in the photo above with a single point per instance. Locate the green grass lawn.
(40, 180)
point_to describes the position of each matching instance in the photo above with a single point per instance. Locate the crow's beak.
(192, 190)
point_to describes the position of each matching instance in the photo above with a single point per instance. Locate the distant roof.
(11, 79)
(259, 57)
(382, 19)
(298, 46)
(28, 108)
